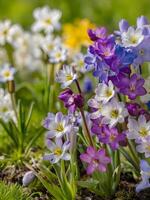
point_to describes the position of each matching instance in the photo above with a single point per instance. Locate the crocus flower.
(58, 150)
(71, 101)
(7, 73)
(132, 87)
(57, 125)
(96, 160)
(123, 25)
(66, 76)
(145, 173)
(141, 21)
(96, 107)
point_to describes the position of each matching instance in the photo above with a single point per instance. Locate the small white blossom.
(4, 31)
(15, 32)
(114, 112)
(66, 76)
(47, 19)
(138, 130)
(7, 73)
(104, 92)
(132, 37)
(144, 147)
(58, 54)
(78, 63)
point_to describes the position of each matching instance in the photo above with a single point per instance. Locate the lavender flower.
(58, 150)
(57, 125)
(96, 160)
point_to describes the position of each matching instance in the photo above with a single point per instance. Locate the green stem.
(13, 101)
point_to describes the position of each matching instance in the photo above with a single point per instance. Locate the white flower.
(146, 97)
(58, 151)
(104, 92)
(78, 63)
(49, 43)
(58, 54)
(6, 111)
(7, 73)
(132, 37)
(47, 20)
(15, 32)
(4, 31)
(138, 130)
(114, 112)
(66, 76)
(57, 125)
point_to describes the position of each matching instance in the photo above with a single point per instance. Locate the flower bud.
(28, 178)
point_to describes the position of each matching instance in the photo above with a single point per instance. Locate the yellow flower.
(75, 35)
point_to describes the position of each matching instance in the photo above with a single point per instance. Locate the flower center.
(112, 138)
(133, 39)
(6, 74)
(114, 113)
(60, 127)
(108, 93)
(132, 88)
(69, 77)
(58, 55)
(58, 151)
(48, 21)
(143, 132)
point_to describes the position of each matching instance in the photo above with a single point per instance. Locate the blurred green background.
(101, 12)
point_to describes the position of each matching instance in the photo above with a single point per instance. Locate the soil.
(126, 189)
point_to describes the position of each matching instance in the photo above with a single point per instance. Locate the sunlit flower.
(75, 34)
(96, 160)
(15, 32)
(114, 112)
(47, 19)
(57, 125)
(66, 76)
(138, 130)
(58, 151)
(132, 37)
(7, 73)
(104, 92)
(58, 54)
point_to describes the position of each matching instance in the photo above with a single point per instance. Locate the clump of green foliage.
(12, 192)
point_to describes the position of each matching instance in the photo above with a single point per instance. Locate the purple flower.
(98, 34)
(143, 51)
(108, 135)
(145, 174)
(71, 101)
(96, 160)
(122, 58)
(132, 87)
(133, 108)
(141, 21)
